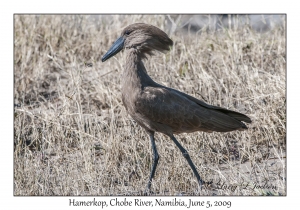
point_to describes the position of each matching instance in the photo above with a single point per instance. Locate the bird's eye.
(127, 32)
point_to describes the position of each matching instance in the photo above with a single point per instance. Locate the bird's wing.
(173, 108)
(235, 115)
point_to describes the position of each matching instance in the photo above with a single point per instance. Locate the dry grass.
(72, 134)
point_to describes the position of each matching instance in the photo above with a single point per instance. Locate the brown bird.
(161, 109)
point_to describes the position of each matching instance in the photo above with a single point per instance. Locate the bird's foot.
(148, 192)
(207, 183)
(204, 184)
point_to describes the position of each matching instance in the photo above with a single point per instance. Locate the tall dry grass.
(72, 135)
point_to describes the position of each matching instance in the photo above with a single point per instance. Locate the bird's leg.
(155, 159)
(187, 157)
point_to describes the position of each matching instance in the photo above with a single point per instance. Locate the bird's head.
(144, 38)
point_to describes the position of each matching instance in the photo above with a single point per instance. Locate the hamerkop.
(161, 109)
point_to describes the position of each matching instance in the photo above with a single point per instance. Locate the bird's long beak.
(114, 49)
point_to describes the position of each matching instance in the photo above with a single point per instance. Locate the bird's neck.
(135, 75)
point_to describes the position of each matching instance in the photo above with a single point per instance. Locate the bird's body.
(161, 109)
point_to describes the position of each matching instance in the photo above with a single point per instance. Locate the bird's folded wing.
(182, 113)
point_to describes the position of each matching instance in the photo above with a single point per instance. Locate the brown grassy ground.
(72, 134)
